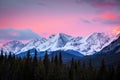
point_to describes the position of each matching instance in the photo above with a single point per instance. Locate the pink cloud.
(109, 16)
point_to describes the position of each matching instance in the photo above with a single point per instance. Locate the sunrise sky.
(27, 19)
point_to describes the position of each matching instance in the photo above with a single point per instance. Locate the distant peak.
(52, 36)
(37, 39)
(58, 35)
(61, 34)
(98, 33)
(13, 42)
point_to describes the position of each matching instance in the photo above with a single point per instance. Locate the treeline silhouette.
(34, 68)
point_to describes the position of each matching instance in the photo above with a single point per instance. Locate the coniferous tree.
(28, 54)
(90, 71)
(56, 59)
(83, 71)
(52, 58)
(60, 58)
(102, 71)
(46, 59)
(46, 64)
(1, 55)
(118, 71)
(35, 56)
(9, 56)
(90, 65)
(30, 68)
(35, 66)
(72, 70)
(27, 68)
(111, 73)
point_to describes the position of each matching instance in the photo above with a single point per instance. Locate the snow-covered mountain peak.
(61, 39)
(13, 46)
(97, 35)
(74, 42)
(59, 35)
(63, 36)
(113, 47)
(77, 38)
(33, 44)
(51, 36)
(37, 41)
(87, 45)
(11, 42)
(90, 44)
(55, 42)
(98, 39)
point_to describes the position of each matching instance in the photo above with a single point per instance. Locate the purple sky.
(27, 19)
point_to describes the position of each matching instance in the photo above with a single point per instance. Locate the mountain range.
(88, 45)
